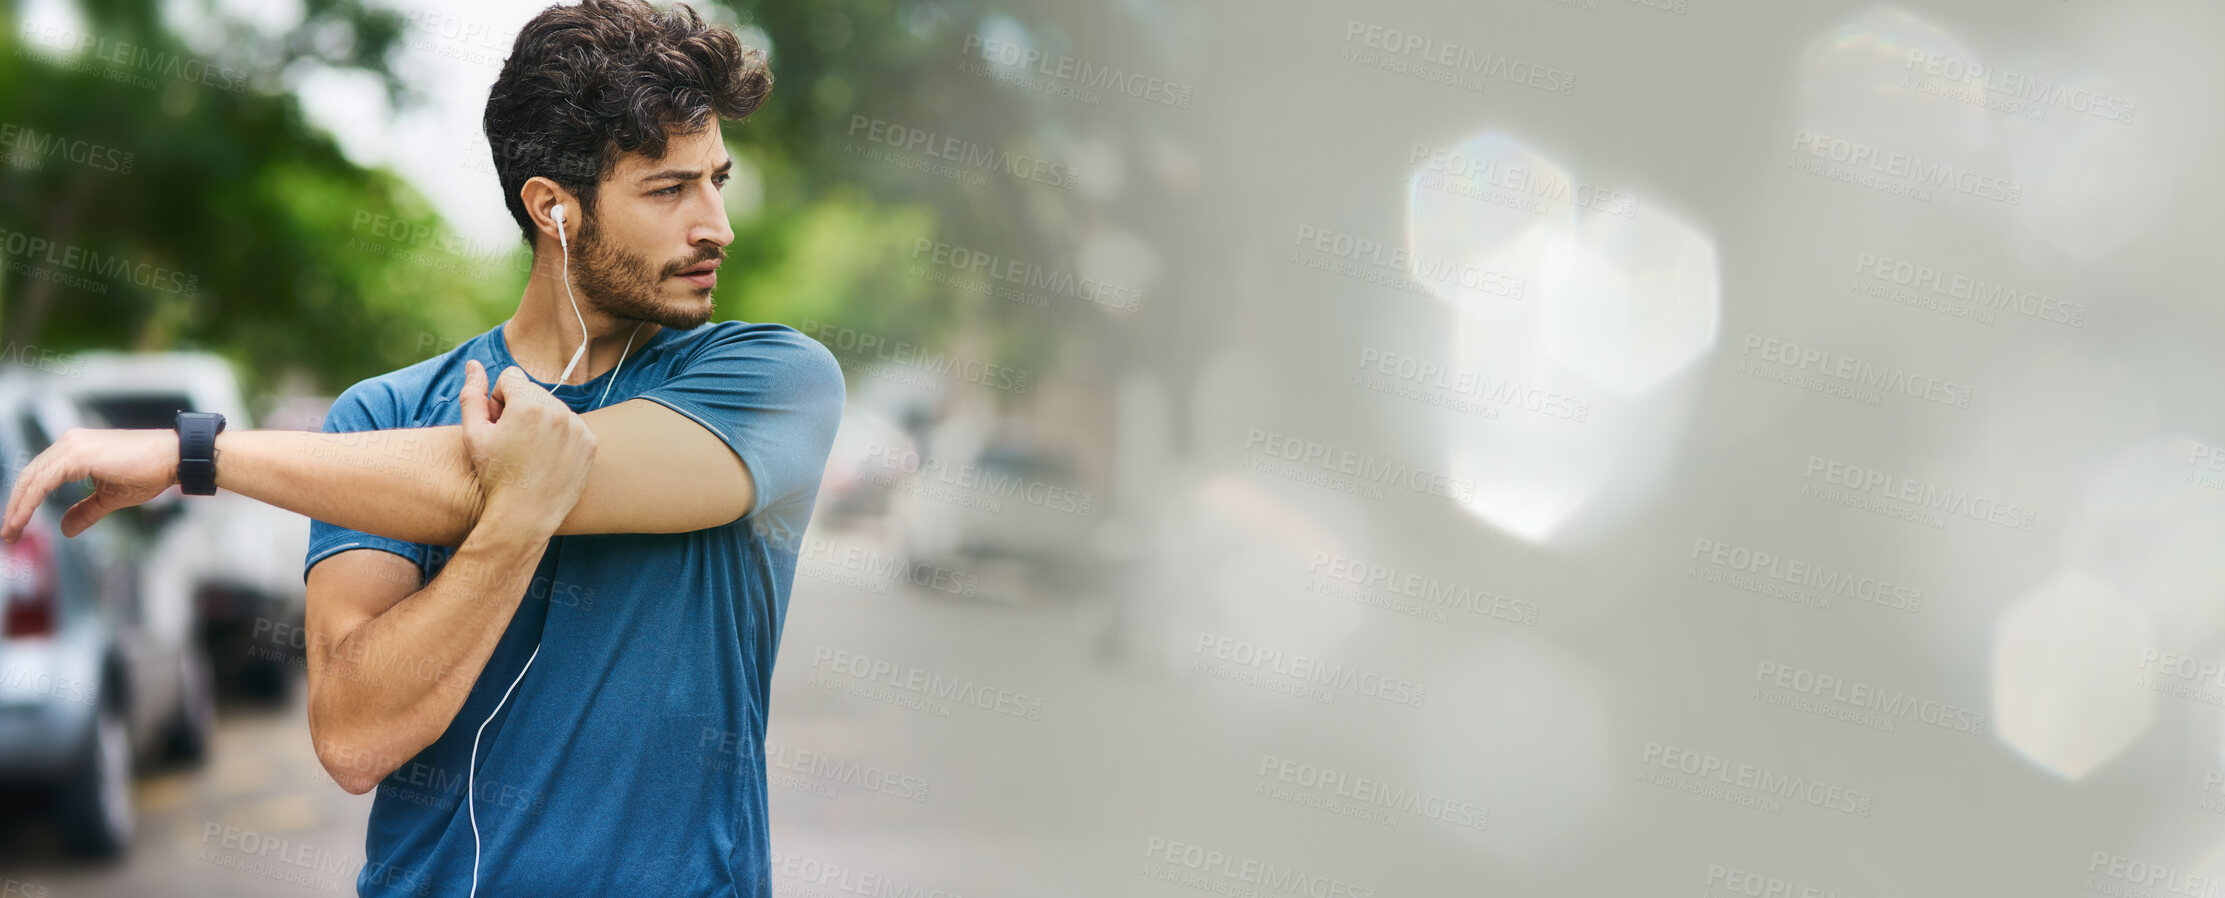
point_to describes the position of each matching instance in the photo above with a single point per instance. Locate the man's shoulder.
(401, 396)
(779, 348)
(767, 336)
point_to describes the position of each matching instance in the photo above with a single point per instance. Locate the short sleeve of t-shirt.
(365, 406)
(772, 395)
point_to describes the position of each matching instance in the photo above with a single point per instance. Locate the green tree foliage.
(155, 198)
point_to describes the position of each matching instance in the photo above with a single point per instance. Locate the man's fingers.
(474, 399)
(24, 499)
(7, 519)
(32, 487)
(9, 529)
(87, 512)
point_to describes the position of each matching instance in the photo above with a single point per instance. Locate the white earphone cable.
(560, 241)
(471, 771)
(621, 364)
(471, 792)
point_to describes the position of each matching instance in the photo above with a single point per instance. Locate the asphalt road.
(236, 826)
(868, 779)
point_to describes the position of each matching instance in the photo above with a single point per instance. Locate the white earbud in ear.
(557, 212)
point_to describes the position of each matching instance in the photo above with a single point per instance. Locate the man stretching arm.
(630, 526)
(372, 703)
(662, 474)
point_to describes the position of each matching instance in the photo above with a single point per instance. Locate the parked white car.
(235, 561)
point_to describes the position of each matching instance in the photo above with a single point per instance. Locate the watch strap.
(197, 452)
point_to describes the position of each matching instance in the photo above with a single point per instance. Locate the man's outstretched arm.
(655, 471)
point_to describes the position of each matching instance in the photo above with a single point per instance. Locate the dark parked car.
(93, 680)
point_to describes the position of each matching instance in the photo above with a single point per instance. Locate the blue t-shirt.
(628, 761)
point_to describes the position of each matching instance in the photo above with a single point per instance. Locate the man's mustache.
(707, 254)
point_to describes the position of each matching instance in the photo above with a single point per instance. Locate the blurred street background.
(1542, 447)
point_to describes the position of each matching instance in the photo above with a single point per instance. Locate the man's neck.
(544, 333)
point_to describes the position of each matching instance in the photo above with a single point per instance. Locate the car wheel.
(194, 722)
(96, 808)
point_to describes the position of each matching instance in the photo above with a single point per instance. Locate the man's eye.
(673, 190)
(719, 181)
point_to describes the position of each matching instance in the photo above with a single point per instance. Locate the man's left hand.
(128, 467)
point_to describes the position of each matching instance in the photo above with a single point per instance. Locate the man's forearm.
(414, 485)
(393, 684)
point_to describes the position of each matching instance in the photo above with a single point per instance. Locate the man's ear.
(541, 197)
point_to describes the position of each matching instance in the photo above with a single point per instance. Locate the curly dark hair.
(586, 83)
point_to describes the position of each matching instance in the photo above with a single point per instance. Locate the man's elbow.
(356, 767)
(354, 784)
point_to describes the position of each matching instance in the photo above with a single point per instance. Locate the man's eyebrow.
(683, 174)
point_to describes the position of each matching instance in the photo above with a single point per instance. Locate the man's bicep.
(349, 588)
(659, 470)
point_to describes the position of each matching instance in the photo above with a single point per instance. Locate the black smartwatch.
(197, 452)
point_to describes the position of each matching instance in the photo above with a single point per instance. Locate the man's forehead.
(701, 151)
